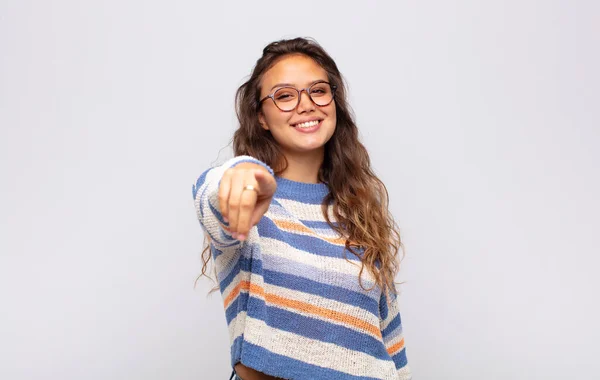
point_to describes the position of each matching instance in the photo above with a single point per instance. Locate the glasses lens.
(286, 98)
(321, 94)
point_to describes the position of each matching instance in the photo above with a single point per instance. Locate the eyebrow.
(291, 85)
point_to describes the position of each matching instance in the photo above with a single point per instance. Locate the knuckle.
(246, 206)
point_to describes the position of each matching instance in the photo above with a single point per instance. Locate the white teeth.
(308, 124)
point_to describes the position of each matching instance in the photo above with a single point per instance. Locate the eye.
(320, 89)
(285, 95)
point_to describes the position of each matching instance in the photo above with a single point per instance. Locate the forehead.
(298, 70)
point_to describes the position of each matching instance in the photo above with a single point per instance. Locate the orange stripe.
(396, 347)
(304, 307)
(296, 227)
(234, 292)
(243, 285)
(324, 312)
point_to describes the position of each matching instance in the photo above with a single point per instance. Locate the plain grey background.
(482, 118)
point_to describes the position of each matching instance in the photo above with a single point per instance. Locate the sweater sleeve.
(205, 193)
(393, 337)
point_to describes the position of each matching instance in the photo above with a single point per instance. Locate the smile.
(308, 126)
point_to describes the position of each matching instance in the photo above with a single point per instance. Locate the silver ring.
(250, 187)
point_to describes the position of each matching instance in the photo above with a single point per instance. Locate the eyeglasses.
(287, 98)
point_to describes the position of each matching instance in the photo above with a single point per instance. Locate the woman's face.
(295, 131)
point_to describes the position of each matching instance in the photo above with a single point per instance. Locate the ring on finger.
(250, 187)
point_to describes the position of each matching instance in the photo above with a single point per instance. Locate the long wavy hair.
(359, 198)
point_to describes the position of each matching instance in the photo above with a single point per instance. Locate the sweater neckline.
(315, 191)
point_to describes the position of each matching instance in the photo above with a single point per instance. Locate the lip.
(311, 129)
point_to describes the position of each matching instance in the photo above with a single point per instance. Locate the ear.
(262, 121)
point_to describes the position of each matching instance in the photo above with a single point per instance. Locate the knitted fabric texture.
(292, 300)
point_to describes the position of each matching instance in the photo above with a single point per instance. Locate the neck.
(303, 167)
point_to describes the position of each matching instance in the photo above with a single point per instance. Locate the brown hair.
(359, 198)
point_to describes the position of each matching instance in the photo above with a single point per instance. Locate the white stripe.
(283, 265)
(277, 212)
(229, 256)
(236, 326)
(227, 260)
(306, 211)
(274, 247)
(393, 310)
(404, 373)
(327, 232)
(227, 291)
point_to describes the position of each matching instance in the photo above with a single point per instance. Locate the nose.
(305, 103)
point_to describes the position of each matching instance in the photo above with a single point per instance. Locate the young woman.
(304, 247)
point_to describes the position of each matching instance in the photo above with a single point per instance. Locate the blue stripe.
(215, 251)
(307, 199)
(230, 276)
(283, 366)
(244, 262)
(317, 329)
(244, 258)
(236, 349)
(383, 307)
(317, 224)
(216, 213)
(400, 359)
(392, 326)
(234, 308)
(307, 193)
(309, 244)
(348, 282)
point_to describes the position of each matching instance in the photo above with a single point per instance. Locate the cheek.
(276, 118)
(331, 114)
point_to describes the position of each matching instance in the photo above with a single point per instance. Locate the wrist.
(242, 160)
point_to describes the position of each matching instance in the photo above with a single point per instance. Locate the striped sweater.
(293, 303)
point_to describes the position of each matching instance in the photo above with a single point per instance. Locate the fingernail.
(241, 237)
(226, 220)
(234, 235)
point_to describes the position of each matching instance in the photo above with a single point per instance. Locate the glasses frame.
(307, 90)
